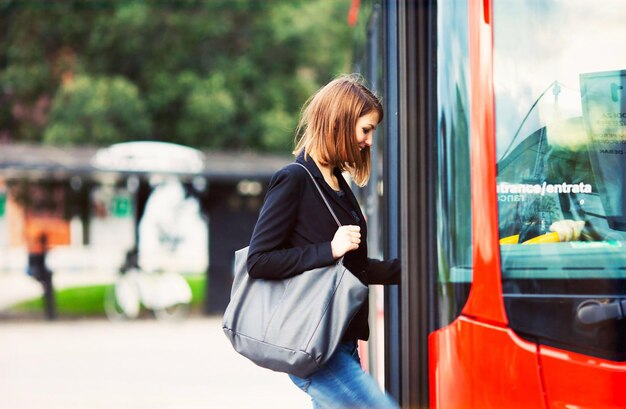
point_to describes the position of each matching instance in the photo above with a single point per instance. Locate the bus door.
(560, 97)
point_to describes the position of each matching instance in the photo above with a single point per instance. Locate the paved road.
(144, 364)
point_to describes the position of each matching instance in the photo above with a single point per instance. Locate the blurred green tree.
(97, 111)
(227, 74)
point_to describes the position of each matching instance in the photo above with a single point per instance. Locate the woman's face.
(365, 126)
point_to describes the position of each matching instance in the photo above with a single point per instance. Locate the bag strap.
(321, 193)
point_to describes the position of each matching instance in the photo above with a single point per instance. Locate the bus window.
(561, 182)
(453, 187)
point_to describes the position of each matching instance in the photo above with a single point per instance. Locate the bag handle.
(321, 193)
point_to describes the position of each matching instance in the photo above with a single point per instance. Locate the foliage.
(227, 74)
(99, 111)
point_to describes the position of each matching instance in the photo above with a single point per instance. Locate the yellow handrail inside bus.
(552, 237)
(510, 239)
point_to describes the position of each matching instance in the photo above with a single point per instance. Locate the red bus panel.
(477, 365)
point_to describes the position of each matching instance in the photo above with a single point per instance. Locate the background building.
(90, 203)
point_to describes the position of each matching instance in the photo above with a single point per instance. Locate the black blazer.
(294, 231)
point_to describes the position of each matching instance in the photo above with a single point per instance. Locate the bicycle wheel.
(121, 300)
(176, 312)
(172, 297)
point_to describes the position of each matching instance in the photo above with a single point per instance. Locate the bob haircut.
(328, 123)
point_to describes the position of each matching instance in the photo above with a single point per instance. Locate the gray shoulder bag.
(292, 325)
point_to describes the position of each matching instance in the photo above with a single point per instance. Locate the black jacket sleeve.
(271, 254)
(383, 272)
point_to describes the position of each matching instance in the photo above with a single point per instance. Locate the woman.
(295, 231)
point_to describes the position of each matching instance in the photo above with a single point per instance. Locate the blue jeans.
(342, 384)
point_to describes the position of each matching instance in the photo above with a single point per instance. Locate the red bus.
(501, 184)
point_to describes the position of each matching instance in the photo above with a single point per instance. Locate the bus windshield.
(559, 81)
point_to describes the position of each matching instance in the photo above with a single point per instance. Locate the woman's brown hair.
(328, 122)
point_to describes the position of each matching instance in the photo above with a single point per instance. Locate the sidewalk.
(142, 364)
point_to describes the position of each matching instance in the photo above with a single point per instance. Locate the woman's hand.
(347, 238)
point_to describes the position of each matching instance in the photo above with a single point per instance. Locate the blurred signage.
(3, 203)
(108, 202)
(121, 206)
(604, 114)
